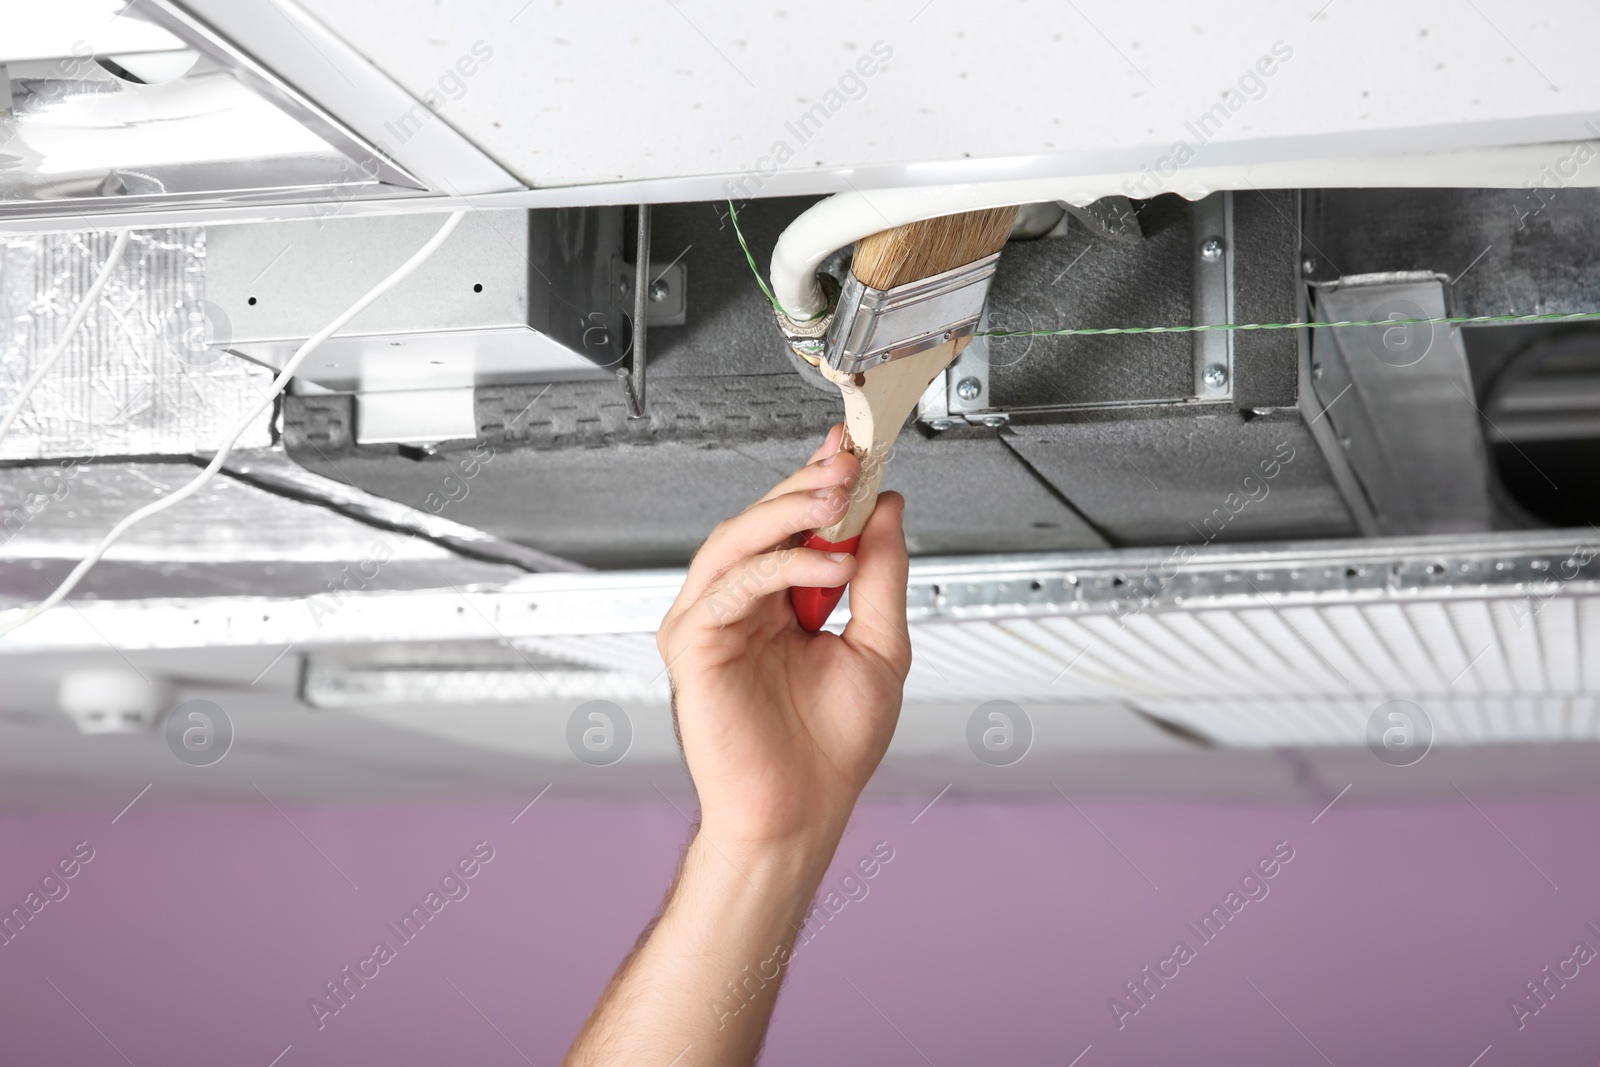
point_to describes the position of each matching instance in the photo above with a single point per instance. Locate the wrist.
(777, 864)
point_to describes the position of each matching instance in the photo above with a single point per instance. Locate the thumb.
(878, 591)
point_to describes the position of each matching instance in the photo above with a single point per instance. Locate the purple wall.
(997, 934)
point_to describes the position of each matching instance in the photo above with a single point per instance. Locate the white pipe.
(847, 217)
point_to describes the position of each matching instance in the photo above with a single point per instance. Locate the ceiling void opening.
(1539, 391)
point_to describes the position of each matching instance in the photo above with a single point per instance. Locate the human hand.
(782, 728)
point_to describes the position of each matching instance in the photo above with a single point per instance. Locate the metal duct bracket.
(1212, 274)
(961, 394)
(631, 374)
(1401, 402)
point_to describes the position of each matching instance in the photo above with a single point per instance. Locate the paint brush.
(908, 308)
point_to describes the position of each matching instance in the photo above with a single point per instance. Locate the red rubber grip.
(813, 606)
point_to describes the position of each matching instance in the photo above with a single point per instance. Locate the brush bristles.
(932, 246)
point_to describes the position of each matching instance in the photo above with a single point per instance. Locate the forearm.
(703, 983)
(781, 729)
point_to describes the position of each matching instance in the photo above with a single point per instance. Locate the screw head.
(940, 425)
(1215, 376)
(1308, 266)
(622, 286)
(994, 422)
(658, 291)
(969, 388)
(1211, 250)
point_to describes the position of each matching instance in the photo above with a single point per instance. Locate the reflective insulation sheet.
(138, 377)
(229, 539)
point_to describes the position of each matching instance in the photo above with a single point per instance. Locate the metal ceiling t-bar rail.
(1535, 566)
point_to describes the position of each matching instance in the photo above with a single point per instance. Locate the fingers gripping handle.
(813, 606)
(884, 398)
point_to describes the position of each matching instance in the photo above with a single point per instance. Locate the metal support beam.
(632, 374)
(1212, 236)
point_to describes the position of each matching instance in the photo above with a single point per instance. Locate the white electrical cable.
(183, 493)
(86, 305)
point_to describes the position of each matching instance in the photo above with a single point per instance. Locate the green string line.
(1103, 331)
(733, 213)
(1449, 320)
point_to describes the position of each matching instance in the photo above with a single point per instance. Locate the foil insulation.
(230, 539)
(145, 374)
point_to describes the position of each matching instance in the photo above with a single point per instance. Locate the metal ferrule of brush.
(874, 326)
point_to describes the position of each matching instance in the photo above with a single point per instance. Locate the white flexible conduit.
(845, 218)
(17, 618)
(848, 216)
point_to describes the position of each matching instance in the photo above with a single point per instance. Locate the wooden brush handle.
(878, 401)
(875, 408)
